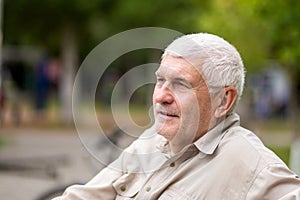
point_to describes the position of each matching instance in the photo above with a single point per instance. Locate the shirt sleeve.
(275, 181)
(100, 187)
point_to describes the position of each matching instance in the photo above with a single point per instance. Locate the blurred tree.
(69, 25)
(262, 31)
(240, 23)
(53, 24)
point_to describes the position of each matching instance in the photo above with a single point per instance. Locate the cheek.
(199, 107)
(188, 106)
(206, 112)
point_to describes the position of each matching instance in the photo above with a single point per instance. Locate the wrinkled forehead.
(193, 61)
(179, 66)
(180, 62)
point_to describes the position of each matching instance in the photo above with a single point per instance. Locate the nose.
(163, 95)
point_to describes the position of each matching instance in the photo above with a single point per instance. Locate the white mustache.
(165, 111)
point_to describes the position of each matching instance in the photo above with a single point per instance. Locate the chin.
(166, 133)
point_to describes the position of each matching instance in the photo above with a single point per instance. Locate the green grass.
(282, 152)
(2, 142)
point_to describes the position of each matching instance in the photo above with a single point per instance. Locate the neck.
(176, 148)
(178, 143)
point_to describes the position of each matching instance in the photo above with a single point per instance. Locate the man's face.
(182, 104)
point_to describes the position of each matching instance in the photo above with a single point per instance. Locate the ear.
(227, 101)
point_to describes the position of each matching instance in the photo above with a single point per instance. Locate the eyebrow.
(178, 78)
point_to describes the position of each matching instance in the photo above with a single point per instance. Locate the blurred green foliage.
(261, 30)
(43, 22)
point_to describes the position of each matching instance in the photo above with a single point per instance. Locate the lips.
(168, 114)
(162, 111)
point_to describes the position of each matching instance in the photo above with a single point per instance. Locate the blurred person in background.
(196, 148)
(47, 77)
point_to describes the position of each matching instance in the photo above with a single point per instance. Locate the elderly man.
(196, 149)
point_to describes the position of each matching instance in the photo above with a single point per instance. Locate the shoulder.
(247, 147)
(262, 168)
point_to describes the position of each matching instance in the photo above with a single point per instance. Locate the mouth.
(167, 114)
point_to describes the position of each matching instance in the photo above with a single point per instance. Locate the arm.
(100, 187)
(131, 159)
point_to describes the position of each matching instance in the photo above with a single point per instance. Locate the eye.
(160, 80)
(181, 85)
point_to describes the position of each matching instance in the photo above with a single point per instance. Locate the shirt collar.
(209, 142)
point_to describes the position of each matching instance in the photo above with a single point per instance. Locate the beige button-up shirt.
(229, 162)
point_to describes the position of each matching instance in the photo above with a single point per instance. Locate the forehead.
(178, 66)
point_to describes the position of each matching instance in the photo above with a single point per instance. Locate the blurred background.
(43, 43)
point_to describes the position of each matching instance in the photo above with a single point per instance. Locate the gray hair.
(219, 61)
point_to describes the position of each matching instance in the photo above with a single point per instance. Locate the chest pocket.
(128, 185)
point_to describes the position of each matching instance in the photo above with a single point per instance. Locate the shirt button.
(123, 188)
(172, 164)
(148, 189)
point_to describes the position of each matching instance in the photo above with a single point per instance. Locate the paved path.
(61, 151)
